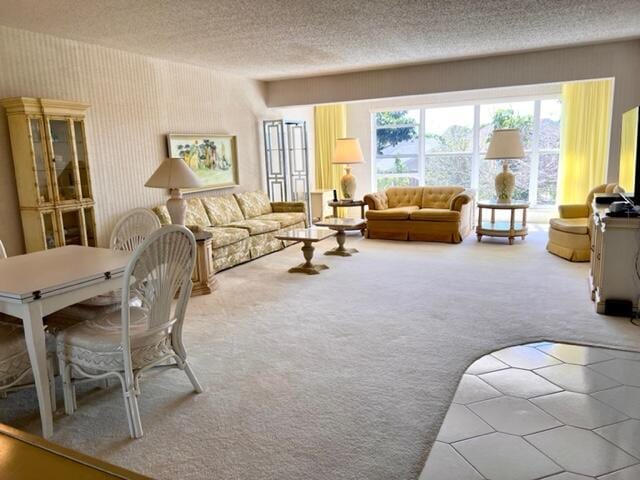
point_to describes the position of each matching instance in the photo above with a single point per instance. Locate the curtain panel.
(584, 144)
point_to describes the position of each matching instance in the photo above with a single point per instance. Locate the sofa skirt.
(423, 231)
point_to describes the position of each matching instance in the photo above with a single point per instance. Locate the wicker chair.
(126, 343)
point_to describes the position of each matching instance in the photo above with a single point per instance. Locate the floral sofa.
(244, 225)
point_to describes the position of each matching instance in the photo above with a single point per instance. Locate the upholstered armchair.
(432, 214)
(570, 235)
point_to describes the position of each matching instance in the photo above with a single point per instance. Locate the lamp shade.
(347, 151)
(505, 143)
(173, 173)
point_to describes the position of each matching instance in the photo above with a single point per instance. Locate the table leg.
(524, 220)
(37, 349)
(512, 226)
(362, 212)
(479, 226)
(335, 212)
(340, 250)
(308, 267)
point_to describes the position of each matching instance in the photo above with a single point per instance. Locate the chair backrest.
(158, 268)
(132, 229)
(3, 252)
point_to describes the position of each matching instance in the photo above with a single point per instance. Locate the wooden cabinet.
(615, 259)
(51, 164)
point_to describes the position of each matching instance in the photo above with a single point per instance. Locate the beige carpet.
(345, 375)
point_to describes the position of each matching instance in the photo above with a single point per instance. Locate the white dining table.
(40, 283)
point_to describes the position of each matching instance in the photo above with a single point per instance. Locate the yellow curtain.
(628, 140)
(330, 123)
(584, 142)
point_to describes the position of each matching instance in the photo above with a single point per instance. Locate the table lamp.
(505, 145)
(174, 174)
(347, 152)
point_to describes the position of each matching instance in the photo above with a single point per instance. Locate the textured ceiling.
(270, 39)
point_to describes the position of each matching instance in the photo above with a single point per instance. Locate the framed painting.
(213, 158)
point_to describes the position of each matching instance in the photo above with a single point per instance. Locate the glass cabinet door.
(90, 227)
(48, 227)
(63, 159)
(81, 154)
(43, 183)
(71, 226)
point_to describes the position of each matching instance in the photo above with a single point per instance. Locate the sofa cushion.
(223, 236)
(222, 210)
(256, 227)
(398, 213)
(578, 226)
(253, 204)
(163, 214)
(284, 219)
(439, 197)
(196, 214)
(435, 215)
(404, 196)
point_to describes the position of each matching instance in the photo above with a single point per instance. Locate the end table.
(349, 204)
(509, 229)
(203, 278)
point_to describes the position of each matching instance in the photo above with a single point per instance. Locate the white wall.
(135, 101)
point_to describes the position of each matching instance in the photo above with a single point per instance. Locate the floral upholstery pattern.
(262, 244)
(163, 214)
(231, 255)
(253, 204)
(285, 219)
(14, 359)
(196, 214)
(223, 236)
(222, 210)
(256, 227)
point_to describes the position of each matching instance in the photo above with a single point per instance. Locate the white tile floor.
(543, 411)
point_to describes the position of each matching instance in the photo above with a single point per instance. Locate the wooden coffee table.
(308, 236)
(341, 225)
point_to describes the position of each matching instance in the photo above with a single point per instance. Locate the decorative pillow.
(163, 214)
(253, 204)
(222, 210)
(196, 214)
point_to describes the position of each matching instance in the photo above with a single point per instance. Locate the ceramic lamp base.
(348, 184)
(177, 207)
(505, 184)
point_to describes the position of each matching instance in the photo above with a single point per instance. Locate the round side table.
(510, 229)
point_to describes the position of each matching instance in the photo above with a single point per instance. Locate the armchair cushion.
(253, 204)
(398, 213)
(571, 225)
(196, 214)
(573, 211)
(377, 201)
(435, 215)
(222, 210)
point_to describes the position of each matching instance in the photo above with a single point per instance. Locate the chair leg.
(52, 382)
(67, 387)
(127, 408)
(192, 377)
(135, 416)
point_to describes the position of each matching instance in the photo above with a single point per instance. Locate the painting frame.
(229, 176)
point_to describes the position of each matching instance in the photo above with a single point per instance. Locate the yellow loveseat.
(430, 214)
(570, 235)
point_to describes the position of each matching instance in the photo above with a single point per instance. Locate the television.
(629, 173)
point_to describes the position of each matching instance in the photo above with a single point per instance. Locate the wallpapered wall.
(135, 101)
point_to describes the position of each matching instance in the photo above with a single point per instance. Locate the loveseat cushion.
(253, 204)
(435, 215)
(398, 213)
(223, 236)
(196, 214)
(578, 226)
(439, 197)
(256, 227)
(163, 214)
(404, 196)
(284, 219)
(222, 210)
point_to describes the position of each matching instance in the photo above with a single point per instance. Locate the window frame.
(476, 152)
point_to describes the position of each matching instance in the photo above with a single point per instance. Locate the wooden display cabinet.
(51, 164)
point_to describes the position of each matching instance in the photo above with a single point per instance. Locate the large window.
(446, 146)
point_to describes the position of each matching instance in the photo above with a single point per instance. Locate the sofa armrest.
(573, 211)
(286, 207)
(461, 199)
(376, 201)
